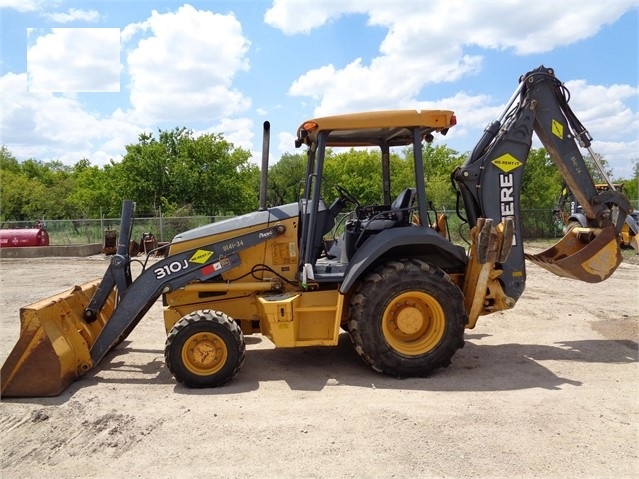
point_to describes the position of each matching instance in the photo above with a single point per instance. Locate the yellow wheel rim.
(204, 354)
(413, 323)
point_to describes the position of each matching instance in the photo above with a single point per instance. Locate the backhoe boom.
(490, 183)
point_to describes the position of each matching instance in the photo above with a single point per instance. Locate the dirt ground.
(548, 390)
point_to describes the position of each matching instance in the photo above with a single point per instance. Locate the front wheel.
(205, 349)
(407, 318)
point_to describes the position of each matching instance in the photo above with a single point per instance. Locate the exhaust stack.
(266, 140)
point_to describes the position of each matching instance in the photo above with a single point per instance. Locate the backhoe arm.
(490, 185)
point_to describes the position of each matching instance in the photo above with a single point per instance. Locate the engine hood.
(265, 217)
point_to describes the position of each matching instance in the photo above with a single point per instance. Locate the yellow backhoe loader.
(392, 277)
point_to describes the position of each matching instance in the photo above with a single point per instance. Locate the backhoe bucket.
(54, 344)
(586, 254)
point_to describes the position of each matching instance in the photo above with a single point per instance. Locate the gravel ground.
(548, 389)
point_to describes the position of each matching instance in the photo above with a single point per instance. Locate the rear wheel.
(205, 349)
(407, 318)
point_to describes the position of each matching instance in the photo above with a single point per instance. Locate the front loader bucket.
(580, 256)
(54, 344)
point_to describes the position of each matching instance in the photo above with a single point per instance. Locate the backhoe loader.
(299, 273)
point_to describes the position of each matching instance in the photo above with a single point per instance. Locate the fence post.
(161, 225)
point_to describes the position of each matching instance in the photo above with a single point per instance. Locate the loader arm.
(118, 274)
(66, 335)
(173, 272)
(490, 185)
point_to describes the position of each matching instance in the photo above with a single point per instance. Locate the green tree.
(286, 179)
(439, 162)
(631, 185)
(8, 162)
(93, 193)
(205, 172)
(541, 182)
(359, 171)
(33, 189)
(596, 174)
(142, 175)
(13, 200)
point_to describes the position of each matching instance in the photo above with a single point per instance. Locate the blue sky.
(82, 79)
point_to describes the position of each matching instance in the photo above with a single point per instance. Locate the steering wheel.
(344, 193)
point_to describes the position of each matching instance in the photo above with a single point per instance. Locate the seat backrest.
(401, 204)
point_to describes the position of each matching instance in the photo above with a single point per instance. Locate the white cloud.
(357, 86)
(428, 45)
(534, 27)
(75, 60)
(605, 113)
(183, 68)
(603, 109)
(302, 17)
(619, 156)
(238, 131)
(286, 143)
(46, 126)
(179, 72)
(73, 15)
(22, 5)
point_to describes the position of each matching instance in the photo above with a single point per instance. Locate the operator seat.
(397, 215)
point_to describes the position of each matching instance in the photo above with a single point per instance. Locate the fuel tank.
(18, 238)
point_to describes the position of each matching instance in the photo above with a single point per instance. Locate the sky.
(84, 78)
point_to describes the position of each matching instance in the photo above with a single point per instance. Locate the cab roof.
(373, 128)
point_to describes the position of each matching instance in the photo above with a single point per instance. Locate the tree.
(8, 162)
(594, 171)
(93, 193)
(13, 200)
(631, 185)
(359, 171)
(177, 169)
(439, 163)
(33, 189)
(286, 179)
(541, 182)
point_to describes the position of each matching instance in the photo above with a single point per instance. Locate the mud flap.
(586, 254)
(54, 344)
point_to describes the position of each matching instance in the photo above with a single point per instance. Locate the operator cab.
(374, 230)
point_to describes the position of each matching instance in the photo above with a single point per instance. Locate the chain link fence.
(535, 224)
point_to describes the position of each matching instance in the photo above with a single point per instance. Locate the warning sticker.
(558, 129)
(506, 162)
(200, 256)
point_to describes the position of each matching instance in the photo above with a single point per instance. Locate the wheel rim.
(204, 354)
(413, 323)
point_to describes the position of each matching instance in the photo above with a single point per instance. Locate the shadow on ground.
(476, 367)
